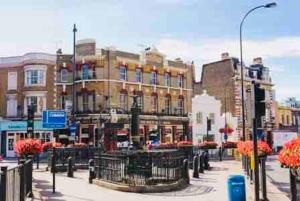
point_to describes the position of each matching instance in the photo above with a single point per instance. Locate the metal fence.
(140, 168)
(16, 182)
(80, 156)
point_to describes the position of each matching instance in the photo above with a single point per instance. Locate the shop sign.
(54, 119)
(19, 126)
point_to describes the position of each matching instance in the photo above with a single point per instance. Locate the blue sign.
(54, 119)
(73, 128)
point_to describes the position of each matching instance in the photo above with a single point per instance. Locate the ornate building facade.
(107, 79)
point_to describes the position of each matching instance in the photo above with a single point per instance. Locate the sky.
(194, 30)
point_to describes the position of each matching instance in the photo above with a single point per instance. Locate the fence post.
(37, 161)
(186, 170)
(263, 178)
(293, 186)
(22, 179)
(29, 173)
(53, 169)
(92, 174)
(3, 183)
(70, 167)
(195, 167)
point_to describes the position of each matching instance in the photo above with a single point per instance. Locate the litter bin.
(236, 188)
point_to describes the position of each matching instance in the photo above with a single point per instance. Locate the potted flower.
(28, 147)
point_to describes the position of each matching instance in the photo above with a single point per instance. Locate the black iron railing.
(16, 182)
(80, 156)
(140, 168)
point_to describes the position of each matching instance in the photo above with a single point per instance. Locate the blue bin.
(236, 188)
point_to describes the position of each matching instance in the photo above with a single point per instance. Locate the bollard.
(3, 186)
(186, 171)
(195, 167)
(201, 164)
(206, 160)
(37, 161)
(70, 167)
(220, 153)
(22, 178)
(92, 174)
(53, 169)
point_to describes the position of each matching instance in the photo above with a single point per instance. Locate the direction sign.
(54, 119)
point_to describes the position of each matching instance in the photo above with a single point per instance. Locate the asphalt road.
(278, 176)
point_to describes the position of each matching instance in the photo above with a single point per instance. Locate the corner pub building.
(106, 79)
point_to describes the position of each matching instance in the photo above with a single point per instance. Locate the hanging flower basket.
(185, 144)
(49, 145)
(27, 147)
(167, 145)
(246, 148)
(289, 156)
(229, 145)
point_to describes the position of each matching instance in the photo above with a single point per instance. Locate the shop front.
(12, 131)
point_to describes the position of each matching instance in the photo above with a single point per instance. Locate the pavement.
(210, 186)
(277, 175)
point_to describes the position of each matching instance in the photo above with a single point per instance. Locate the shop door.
(10, 145)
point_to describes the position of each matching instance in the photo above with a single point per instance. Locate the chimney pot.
(225, 55)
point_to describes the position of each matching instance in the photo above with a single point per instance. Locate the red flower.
(28, 147)
(208, 145)
(246, 148)
(49, 145)
(289, 156)
(184, 143)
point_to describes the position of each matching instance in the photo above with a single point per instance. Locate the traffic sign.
(54, 119)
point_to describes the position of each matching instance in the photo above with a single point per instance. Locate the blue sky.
(198, 30)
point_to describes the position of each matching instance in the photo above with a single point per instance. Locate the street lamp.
(256, 176)
(269, 5)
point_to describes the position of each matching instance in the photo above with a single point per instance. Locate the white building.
(203, 107)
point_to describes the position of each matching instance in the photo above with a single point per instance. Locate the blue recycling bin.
(236, 188)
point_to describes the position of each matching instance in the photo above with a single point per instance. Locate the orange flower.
(289, 156)
(28, 147)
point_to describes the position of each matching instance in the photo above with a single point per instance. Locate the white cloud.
(210, 49)
(283, 92)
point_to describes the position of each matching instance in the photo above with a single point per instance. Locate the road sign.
(73, 128)
(54, 119)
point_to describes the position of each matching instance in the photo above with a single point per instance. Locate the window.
(12, 81)
(153, 79)
(123, 101)
(11, 106)
(85, 72)
(85, 102)
(154, 103)
(64, 75)
(123, 73)
(180, 105)
(32, 101)
(138, 75)
(35, 77)
(167, 105)
(282, 119)
(211, 116)
(199, 117)
(167, 79)
(180, 81)
(287, 120)
(140, 101)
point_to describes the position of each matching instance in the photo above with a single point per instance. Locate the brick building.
(222, 79)
(107, 79)
(25, 80)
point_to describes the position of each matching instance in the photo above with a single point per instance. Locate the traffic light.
(208, 124)
(260, 105)
(30, 121)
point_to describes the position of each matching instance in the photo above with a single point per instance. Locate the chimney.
(225, 55)
(257, 60)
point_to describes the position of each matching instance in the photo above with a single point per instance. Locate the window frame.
(139, 75)
(180, 81)
(153, 78)
(123, 75)
(64, 73)
(167, 79)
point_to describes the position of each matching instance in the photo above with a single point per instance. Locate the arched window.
(64, 75)
(168, 104)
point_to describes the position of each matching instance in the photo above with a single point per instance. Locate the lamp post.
(269, 5)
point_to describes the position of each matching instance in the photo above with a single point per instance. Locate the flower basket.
(229, 145)
(27, 147)
(49, 145)
(246, 148)
(167, 146)
(208, 145)
(185, 144)
(289, 156)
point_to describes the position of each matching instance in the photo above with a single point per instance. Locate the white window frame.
(12, 81)
(41, 69)
(11, 106)
(199, 118)
(211, 116)
(64, 75)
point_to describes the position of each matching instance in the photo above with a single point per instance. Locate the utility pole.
(73, 75)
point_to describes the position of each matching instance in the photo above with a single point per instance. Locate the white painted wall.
(206, 104)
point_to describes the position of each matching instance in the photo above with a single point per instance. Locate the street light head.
(270, 5)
